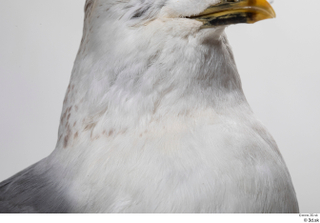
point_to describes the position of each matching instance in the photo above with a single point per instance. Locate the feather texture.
(154, 120)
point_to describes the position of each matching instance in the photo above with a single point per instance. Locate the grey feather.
(31, 191)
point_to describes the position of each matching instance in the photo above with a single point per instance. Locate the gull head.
(177, 17)
(131, 46)
(142, 60)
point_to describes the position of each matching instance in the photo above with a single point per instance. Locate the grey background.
(278, 61)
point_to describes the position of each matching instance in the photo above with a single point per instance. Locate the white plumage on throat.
(155, 119)
(126, 76)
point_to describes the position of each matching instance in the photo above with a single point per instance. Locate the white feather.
(155, 119)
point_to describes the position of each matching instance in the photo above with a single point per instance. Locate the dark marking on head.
(65, 99)
(123, 131)
(88, 6)
(140, 12)
(146, 10)
(67, 135)
(65, 141)
(90, 126)
(64, 116)
(68, 89)
(111, 132)
(76, 135)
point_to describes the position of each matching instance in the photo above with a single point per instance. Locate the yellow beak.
(235, 11)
